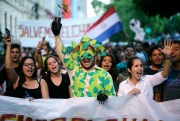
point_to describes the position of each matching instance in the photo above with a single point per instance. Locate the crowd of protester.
(53, 72)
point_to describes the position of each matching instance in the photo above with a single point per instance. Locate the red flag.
(67, 14)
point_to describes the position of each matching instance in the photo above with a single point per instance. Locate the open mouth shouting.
(30, 72)
(139, 73)
(106, 67)
(86, 62)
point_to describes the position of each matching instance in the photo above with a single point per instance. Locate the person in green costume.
(87, 79)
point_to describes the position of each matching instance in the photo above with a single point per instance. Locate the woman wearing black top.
(58, 83)
(25, 84)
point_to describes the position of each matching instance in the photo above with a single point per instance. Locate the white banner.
(30, 32)
(125, 108)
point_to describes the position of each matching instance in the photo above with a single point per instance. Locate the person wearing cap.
(87, 79)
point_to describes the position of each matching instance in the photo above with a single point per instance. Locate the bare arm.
(11, 73)
(70, 92)
(167, 53)
(44, 89)
(38, 57)
(58, 48)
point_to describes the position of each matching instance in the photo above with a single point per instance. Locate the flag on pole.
(67, 14)
(106, 26)
(50, 15)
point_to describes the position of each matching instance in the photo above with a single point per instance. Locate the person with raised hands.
(137, 82)
(87, 79)
(171, 87)
(25, 84)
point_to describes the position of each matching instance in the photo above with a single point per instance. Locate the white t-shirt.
(145, 85)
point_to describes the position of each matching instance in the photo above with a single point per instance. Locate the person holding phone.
(15, 58)
(26, 82)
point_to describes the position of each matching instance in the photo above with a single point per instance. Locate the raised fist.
(56, 26)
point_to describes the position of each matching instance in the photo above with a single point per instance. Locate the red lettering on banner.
(64, 31)
(47, 31)
(40, 32)
(25, 31)
(124, 119)
(74, 28)
(73, 31)
(13, 117)
(59, 119)
(82, 29)
(144, 120)
(20, 27)
(6, 117)
(28, 119)
(34, 32)
(78, 119)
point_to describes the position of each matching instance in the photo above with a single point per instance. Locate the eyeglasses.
(29, 64)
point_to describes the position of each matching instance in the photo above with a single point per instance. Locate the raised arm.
(167, 54)
(58, 48)
(11, 73)
(65, 58)
(56, 28)
(38, 56)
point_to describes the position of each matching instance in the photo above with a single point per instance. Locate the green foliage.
(128, 9)
(156, 24)
(173, 24)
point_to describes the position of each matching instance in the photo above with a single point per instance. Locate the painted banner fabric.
(125, 108)
(30, 32)
(106, 26)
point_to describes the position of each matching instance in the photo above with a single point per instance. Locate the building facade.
(12, 10)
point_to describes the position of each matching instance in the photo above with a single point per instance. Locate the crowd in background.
(50, 74)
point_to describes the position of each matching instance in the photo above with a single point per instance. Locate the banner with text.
(125, 108)
(30, 32)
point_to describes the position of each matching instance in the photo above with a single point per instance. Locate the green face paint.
(86, 54)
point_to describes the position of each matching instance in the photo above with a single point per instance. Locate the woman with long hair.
(108, 63)
(25, 84)
(58, 83)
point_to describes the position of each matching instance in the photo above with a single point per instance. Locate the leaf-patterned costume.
(85, 83)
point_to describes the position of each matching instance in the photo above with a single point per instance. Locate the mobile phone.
(8, 34)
